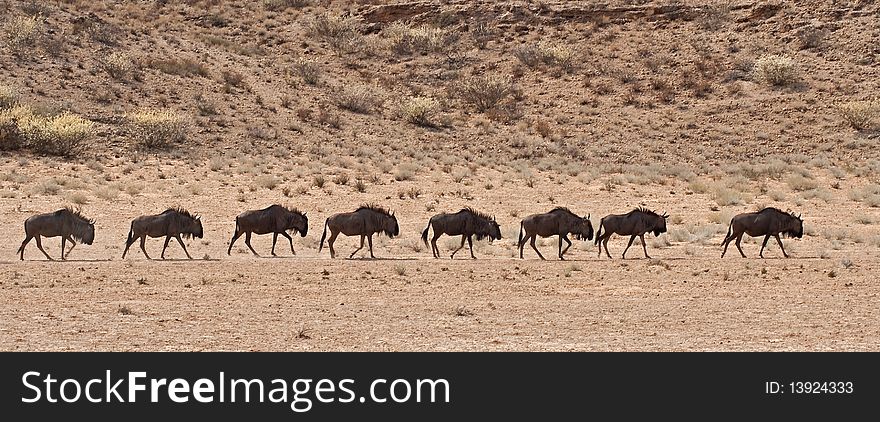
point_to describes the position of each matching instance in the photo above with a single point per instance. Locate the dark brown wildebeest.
(558, 222)
(634, 223)
(66, 222)
(364, 221)
(767, 222)
(467, 223)
(173, 222)
(274, 219)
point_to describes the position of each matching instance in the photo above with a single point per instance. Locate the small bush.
(279, 5)
(357, 99)
(308, 70)
(118, 65)
(858, 114)
(341, 32)
(776, 70)
(179, 67)
(156, 128)
(484, 92)
(63, 135)
(419, 110)
(20, 33)
(8, 97)
(799, 183)
(406, 39)
(561, 56)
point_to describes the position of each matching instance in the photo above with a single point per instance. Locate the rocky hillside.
(694, 82)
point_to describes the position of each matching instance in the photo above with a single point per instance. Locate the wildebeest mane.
(76, 214)
(181, 211)
(476, 213)
(374, 207)
(565, 210)
(645, 210)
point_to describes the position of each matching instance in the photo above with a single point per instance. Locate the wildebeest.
(468, 223)
(558, 222)
(634, 223)
(68, 223)
(173, 222)
(274, 219)
(364, 221)
(767, 222)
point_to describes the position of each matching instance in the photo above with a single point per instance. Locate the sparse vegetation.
(406, 39)
(63, 135)
(156, 129)
(484, 92)
(308, 70)
(860, 115)
(776, 70)
(357, 99)
(419, 110)
(20, 33)
(341, 32)
(118, 65)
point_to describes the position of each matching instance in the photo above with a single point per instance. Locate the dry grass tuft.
(20, 33)
(156, 128)
(776, 70)
(860, 115)
(484, 92)
(419, 110)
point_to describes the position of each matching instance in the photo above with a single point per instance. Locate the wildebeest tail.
(25, 235)
(729, 231)
(520, 240)
(425, 233)
(130, 235)
(599, 232)
(323, 236)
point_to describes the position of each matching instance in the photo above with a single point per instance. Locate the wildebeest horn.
(588, 216)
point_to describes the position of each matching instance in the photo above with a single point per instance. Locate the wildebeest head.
(391, 228)
(196, 228)
(586, 229)
(795, 227)
(89, 235)
(660, 224)
(494, 230)
(298, 222)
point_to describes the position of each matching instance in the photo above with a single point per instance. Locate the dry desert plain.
(700, 109)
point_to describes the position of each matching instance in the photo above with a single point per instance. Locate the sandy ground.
(686, 298)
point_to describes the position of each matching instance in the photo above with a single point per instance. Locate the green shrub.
(63, 135)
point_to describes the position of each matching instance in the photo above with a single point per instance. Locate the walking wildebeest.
(173, 222)
(364, 221)
(66, 222)
(634, 223)
(274, 219)
(767, 222)
(467, 223)
(558, 222)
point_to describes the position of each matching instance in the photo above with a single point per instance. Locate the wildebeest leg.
(167, 239)
(434, 249)
(23, 244)
(143, 241)
(289, 239)
(182, 245)
(763, 245)
(72, 245)
(471, 246)
(359, 248)
(532, 243)
(605, 242)
(522, 244)
(40, 246)
(631, 239)
(274, 239)
(779, 241)
(565, 238)
(235, 237)
(644, 248)
(370, 242)
(459, 247)
(726, 244)
(738, 240)
(247, 241)
(330, 241)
